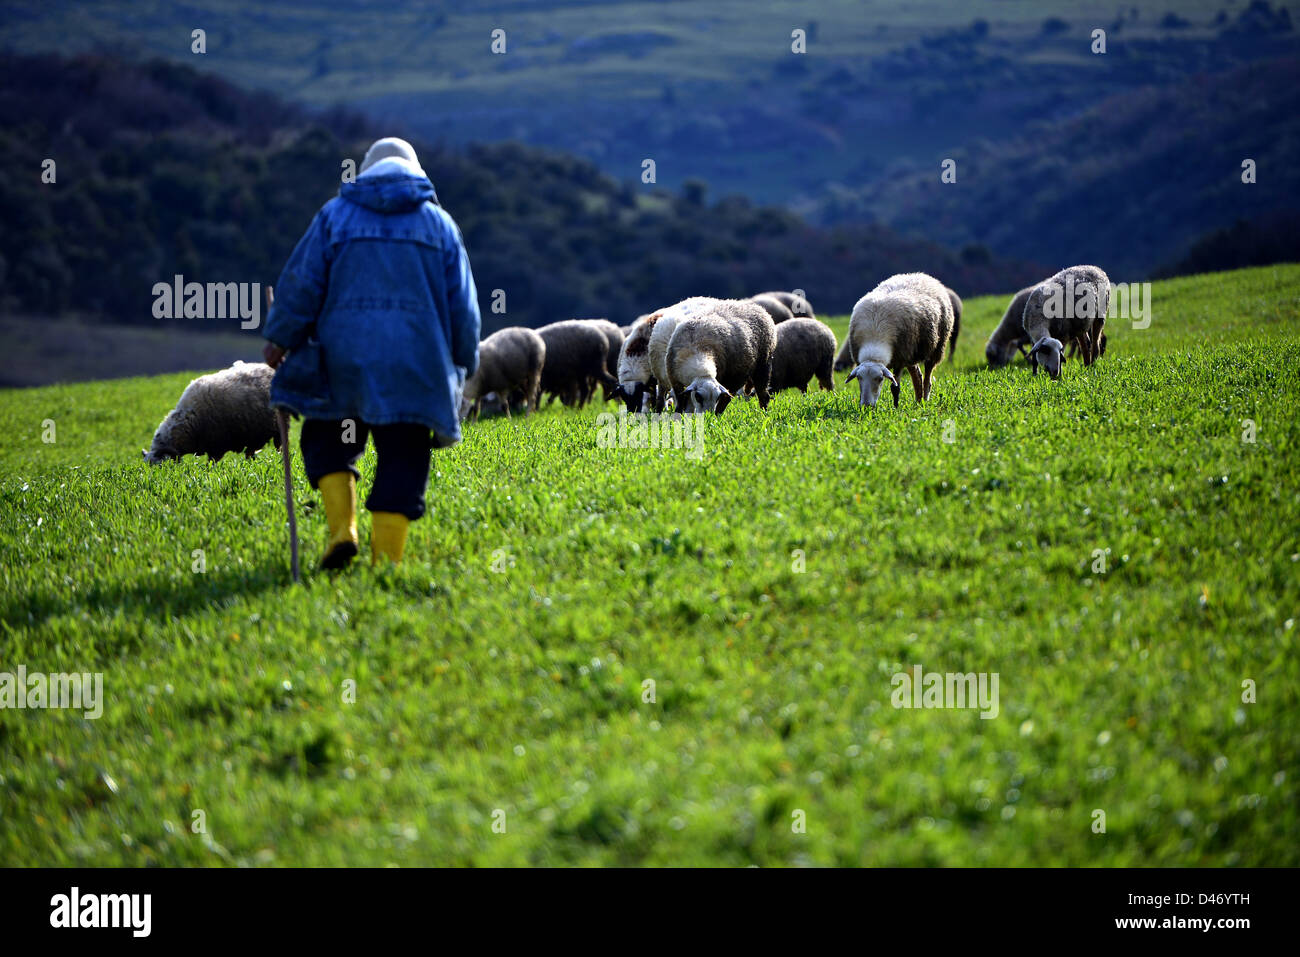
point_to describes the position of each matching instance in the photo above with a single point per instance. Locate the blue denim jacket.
(378, 310)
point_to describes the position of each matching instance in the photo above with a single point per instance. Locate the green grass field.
(769, 591)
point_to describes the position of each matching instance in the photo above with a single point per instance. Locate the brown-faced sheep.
(1069, 307)
(509, 359)
(804, 348)
(226, 411)
(904, 323)
(575, 352)
(713, 355)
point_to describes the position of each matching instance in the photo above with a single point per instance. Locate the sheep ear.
(852, 375)
(723, 401)
(890, 376)
(145, 453)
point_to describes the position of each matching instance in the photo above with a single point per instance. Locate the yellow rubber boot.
(387, 536)
(338, 490)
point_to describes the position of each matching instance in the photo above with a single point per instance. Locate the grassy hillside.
(769, 591)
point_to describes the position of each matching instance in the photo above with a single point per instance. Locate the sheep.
(1070, 306)
(904, 323)
(795, 302)
(778, 310)
(665, 324)
(844, 358)
(575, 352)
(714, 354)
(614, 336)
(956, 322)
(1009, 336)
(509, 359)
(635, 380)
(804, 348)
(226, 411)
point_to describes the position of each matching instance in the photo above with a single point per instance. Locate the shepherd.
(374, 329)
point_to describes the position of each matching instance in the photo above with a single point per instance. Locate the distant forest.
(164, 170)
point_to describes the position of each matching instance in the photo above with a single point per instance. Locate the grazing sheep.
(226, 411)
(575, 352)
(804, 348)
(717, 353)
(635, 380)
(1069, 307)
(1009, 337)
(844, 358)
(904, 323)
(614, 336)
(778, 310)
(956, 321)
(509, 359)
(798, 305)
(666, 321)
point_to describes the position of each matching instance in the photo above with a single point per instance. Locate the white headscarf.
(390, 155)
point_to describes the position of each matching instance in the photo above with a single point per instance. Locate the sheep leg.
(762, 379)
(1097, 325)
(929, 374)
(917, 387)
(1085, 348)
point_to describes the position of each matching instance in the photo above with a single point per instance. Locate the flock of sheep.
(700, 353)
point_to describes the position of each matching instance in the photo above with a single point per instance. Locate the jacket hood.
(397, 192)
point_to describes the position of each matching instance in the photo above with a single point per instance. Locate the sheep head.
(705, 395)
(870, 375)
(1000, 353)
(632, 395)
(1050, 354)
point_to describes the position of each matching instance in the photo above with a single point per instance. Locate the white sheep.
(1070, 307)
(904, 323)
(665, 324)
(714, 355)
(509, 359)
(226, 411)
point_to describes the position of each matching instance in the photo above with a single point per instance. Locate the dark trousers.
(401, 467)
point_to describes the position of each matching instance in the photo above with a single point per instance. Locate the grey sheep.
(614, 336)
(778, 310)
(904, 323)
(714, 355)
(226, 411)
(509, 359)
(576, 351)
(797, 303)
(1010, 337)
(1070, 307)
(804, 348)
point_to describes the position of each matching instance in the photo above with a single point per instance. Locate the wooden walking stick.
(282, 419)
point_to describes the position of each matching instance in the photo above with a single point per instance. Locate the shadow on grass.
(159, 598)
